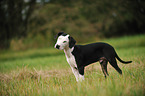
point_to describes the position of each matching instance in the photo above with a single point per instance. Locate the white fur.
(60, 41)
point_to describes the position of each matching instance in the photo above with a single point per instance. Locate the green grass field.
(45, 72)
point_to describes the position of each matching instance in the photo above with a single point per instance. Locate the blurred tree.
(115, 18)
(129, 18)
(14, 15)
(87, 19)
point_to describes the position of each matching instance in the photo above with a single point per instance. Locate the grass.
(45, 72)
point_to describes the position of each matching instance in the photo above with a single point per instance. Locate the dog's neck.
(68, 51)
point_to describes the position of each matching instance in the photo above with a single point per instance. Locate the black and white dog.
(79, 56)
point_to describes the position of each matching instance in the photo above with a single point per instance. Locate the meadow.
(45, 72)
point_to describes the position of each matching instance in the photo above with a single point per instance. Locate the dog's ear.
(60, 33)
(71, 42)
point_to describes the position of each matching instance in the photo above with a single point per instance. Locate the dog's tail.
(125, 62)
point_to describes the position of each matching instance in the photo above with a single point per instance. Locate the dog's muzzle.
(57, 46)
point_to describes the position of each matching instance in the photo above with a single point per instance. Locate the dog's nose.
(57, 46)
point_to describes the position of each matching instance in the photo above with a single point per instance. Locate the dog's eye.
(64, 41)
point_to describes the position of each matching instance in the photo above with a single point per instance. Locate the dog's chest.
(70, 58)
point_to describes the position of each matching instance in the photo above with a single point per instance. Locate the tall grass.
(45, 72)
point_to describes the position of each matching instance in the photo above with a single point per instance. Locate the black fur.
(72, 42)
(103, 52)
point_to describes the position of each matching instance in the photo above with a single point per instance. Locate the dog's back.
(91, 53)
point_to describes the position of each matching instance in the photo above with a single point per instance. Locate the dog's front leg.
(81, 73)
(78, 76)
(76, 73)
(81, 77)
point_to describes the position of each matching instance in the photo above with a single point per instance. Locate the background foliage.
(34, 23)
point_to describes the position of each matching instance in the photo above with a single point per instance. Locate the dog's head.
(64, 41)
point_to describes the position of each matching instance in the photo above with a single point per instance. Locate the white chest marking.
(70, 57)
(71, 60)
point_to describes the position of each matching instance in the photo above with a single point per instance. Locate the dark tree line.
(128, 15)
(18, 18)
(14, 16)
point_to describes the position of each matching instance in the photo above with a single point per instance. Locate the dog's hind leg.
(103, 62)
(113, 62)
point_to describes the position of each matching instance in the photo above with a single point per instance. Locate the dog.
(79, 56)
